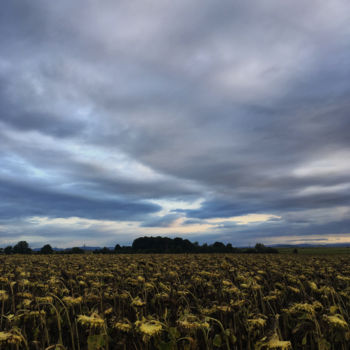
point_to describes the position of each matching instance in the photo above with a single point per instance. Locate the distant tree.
(218, 247)
(46, 249)
(230, 249)
(270, 250)
(295, 251)
(76, 250)
(260, 248)
(104, 250)
(204, 248)
(179, 245)
(22, 247)
(8, 250)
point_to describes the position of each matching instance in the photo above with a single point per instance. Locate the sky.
(212, 121)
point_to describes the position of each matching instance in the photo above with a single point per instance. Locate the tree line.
(22, 247)
(146, 245)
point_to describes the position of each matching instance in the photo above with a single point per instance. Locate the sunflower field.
(168, 302)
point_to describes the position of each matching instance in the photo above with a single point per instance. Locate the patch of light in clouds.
(333, 163)
(244, 219)
(169, 206)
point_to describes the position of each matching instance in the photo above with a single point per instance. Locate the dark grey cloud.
(272, 204)
(106, 107)
(19, 200)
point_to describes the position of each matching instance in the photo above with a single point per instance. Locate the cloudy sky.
(209, 120)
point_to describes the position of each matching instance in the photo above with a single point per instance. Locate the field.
(167, 302)
(317, 250)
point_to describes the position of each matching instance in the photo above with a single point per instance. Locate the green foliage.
(217, 341)
(96, 342)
